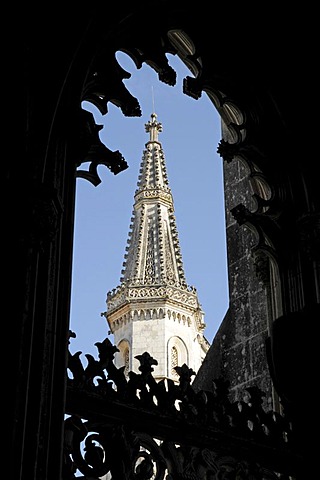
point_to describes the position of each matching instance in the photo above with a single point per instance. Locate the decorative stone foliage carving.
(135, 427)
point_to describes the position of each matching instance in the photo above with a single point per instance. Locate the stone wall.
(238, 351)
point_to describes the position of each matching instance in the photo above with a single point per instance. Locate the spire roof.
(153, 252)
(153, 268)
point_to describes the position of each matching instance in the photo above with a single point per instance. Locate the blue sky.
(190, 136)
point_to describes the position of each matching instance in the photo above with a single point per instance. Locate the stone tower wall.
(238, 352)
(157, 337)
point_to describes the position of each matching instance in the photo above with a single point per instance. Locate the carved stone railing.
(133, 427)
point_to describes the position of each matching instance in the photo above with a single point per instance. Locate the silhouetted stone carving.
(137, 427)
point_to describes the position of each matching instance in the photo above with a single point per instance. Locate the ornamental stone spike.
(153, 127)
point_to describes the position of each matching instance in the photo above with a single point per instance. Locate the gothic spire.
(153, 309)
(153, 252)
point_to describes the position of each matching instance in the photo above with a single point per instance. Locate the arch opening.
(191, 133)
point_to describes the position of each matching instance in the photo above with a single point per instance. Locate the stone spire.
(153, 288)
(153, 253)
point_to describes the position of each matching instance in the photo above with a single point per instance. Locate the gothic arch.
(237, 121)
(178, 355)
(241, 122)
(236, 103)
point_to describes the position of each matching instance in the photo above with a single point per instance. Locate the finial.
(153, 127)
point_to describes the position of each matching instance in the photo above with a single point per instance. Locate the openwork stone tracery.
(134, 427)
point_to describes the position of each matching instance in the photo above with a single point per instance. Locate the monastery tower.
(153, 309)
